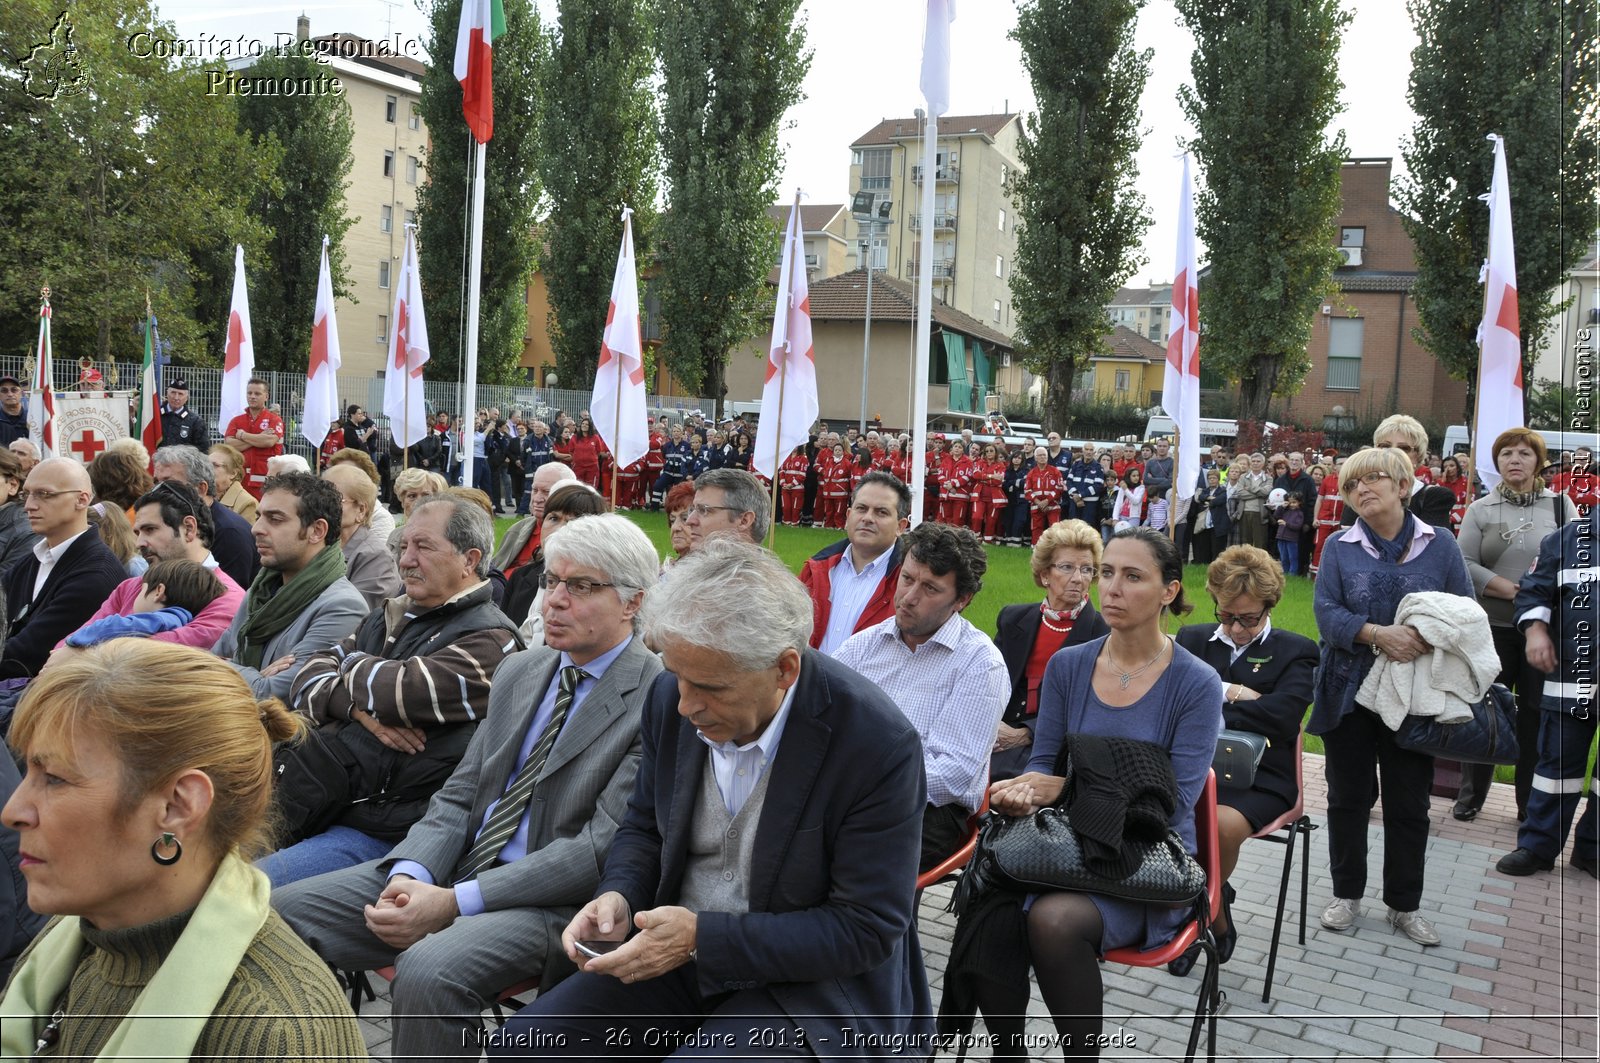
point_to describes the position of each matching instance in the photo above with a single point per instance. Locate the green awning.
(955, 353)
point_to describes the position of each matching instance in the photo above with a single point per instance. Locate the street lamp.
(870, 210)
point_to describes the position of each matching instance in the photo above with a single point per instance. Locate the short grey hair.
(196, 466)
(281, 463)
(609, 544)
(467, 528)
(726, 586)
(744, 493)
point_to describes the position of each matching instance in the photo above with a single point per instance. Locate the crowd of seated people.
(644, 784)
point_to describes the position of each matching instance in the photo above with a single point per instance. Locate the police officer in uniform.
(181, 426)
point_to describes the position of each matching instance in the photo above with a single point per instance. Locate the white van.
(1457, 440)
(1212, 430)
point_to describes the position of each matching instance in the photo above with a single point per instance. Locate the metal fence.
(287, 390)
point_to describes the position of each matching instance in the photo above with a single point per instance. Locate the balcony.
(874, 182)
(949, 173)
(942, 222)
(944, 269)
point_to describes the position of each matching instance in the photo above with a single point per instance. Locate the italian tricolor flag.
(481, 22)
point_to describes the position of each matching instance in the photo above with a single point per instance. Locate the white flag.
(1500, 335)
(789, 397)
(322, 374)
(936, 55)
(618, 402)
(239, 354)
(1180, 387)
(408, 353)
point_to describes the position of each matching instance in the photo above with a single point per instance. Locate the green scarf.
(271, 605)
(183, 993)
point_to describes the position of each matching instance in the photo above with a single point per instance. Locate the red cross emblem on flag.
(88, 445)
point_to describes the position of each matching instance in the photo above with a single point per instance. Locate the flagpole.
(919, 382)
(777, 445)
(474, 284)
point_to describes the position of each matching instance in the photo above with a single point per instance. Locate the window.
(390, 107)
(386, 219)
(997, 310)
(1124, 379)
(411, 169)
(1344, 353)
(855, 157)
(383, 328)
(383, 274)
(999, 265)
(1002, 220)
(1353, 236)
(875, 167)
(880, 252)
(388, 164)
(411, 218)
(1005, 172)
(415, 120)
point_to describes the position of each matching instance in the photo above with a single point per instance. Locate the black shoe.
(1524, 862)
(1585, 862)
(1185, 963)
(1230, 938)
(1466, 813)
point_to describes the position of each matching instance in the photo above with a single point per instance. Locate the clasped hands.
(666, 938)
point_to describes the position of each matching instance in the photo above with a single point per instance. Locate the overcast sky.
(865, 67)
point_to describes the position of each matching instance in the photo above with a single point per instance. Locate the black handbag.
(1042, 852)
(1490, 737)
(1238, 756)
(313, 778)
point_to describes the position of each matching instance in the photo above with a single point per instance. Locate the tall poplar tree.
(1266, 88)
(511, 190)
(597, 151)
(731, 68)
(1081, 217)
(313, 134)
(1528, 73)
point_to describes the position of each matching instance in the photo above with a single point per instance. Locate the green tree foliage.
(133, 179)
(1528, 73)
(511, 190)
(313, 133)
(732, 68)
(1266, 88)
(1081, 218)
(597, 151)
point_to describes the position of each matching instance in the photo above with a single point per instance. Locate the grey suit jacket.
(334, 615)
(579, 798)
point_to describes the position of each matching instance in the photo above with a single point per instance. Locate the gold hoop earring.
(168, 840)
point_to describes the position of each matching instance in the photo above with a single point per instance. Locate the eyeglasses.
(1369, 479)
(1086, 571)
(1512, 533)
(577, 586)
(1244, 620)
(1408, 448)
(185, 502)
(704, 511)
(42, 495)
(10, 390)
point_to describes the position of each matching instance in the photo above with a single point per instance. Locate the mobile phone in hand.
(595, 949)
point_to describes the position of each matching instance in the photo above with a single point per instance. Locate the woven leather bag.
(1041, 852)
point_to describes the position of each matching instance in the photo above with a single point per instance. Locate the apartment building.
(823, 227)
(973, 222)
(1146, 311)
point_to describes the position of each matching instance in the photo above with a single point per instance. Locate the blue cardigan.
(1354, 589)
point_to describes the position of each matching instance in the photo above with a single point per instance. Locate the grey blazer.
(580, 796)
(332, 617)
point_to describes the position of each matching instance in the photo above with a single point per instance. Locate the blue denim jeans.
(333, 850)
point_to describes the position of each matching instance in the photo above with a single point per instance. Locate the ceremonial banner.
(1499, 399)
(618, 401)
(87, 423)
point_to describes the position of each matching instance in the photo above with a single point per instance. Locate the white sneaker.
(1341, 912)
(1413, 926)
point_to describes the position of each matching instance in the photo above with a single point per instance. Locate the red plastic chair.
(962, 856)
(1297, 824)
(1197, 929)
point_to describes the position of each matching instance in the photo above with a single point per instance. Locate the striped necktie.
(507, 815)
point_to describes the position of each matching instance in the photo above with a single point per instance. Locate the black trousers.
(943, 827)
(1528, 683)
(1358, 751)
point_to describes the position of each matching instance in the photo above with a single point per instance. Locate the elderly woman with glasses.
(1266, 675)
(1430, 502)
(1387, 554)
(1500, 537)
(1065, 562)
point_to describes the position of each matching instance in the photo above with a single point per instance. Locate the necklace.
(51, 1033)
(1125, 677)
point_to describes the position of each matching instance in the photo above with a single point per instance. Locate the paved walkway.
(1517, 976)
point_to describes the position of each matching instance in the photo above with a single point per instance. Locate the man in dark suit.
(181, 426)
(233, 545)
(768, 859)
(53, 591)
(474, 898)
